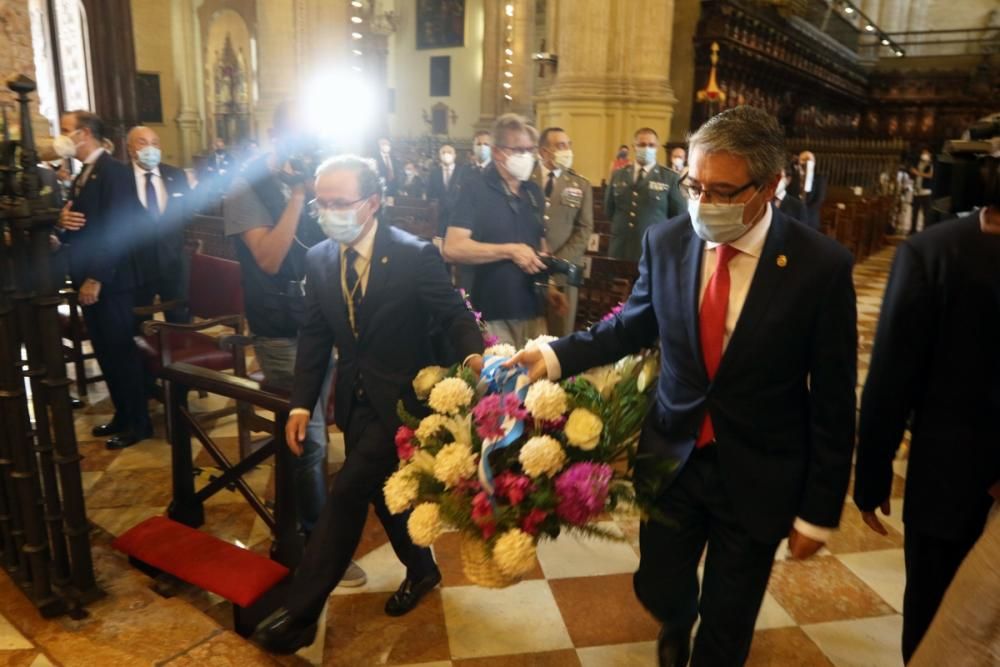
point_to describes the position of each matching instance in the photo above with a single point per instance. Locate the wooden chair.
(74, 335)
(608, 282)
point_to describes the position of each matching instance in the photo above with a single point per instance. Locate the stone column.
(189, 120)
(612, 78)
(523, 67)
(276, 50)
(490, 96)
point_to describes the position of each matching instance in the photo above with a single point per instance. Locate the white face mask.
(563, 159)
(483, 152)
(385, 148)
(447, 158)
(646, 156)
(678, 163)
(341, 226)
(520, 165)
(64, 146)
(149, 157)
(780, 190)
(718, 223)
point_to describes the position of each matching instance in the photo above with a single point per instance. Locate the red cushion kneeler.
(239, 575)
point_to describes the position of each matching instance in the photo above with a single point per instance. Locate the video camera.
(555, 266)
(966, 173)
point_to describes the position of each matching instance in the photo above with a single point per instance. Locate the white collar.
(636, 167)
(483, 165)
(557, 172)
(751, 243)
(92, 158)
(142, 171)
(364, 245)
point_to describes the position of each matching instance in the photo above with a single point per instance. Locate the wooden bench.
(608, 282)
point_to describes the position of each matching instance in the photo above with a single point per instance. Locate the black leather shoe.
(409, 594)
(105, 430)
(127, 439)
(282, 634)
(673, 649)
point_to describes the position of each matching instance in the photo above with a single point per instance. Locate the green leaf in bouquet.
(595, 531)
(405, 416)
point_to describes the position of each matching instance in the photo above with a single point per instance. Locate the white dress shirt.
(88, 166)
(447, 171)
(557, 172)
(741, 271)
(158, 185)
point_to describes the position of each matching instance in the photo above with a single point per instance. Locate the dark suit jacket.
(936, 363)
(391, 184)
(163, 240)
(782, 401)
(813, 201)
(103, 248)
(446, 196)
(409, 294)
(792, 207)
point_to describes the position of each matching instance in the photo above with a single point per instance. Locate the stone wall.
(16, 56)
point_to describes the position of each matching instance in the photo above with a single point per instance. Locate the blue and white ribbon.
(500, 380)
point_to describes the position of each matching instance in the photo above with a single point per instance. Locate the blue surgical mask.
(483, 153)
(149, 156)
(646, 156)
(341, 226)
(717, 223)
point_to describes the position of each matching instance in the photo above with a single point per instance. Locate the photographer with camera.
(935, 368)
(267, 216)
(496, 226)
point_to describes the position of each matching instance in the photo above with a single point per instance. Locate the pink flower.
(468, 487)
(405, 448)
(490, 412)
(512, 487)
(533, 520)
(489, 340)
(613, 312)
(582, 491)
(482, 509)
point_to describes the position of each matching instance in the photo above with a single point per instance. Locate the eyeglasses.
(695, 191)
(315, 206)
(519, 150)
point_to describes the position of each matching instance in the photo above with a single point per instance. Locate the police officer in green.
(639, 195)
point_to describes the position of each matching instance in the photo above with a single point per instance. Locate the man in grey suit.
(568, 219)
(640, 195)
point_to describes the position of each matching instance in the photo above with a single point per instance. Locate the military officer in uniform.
(568, 218)
(640, 195)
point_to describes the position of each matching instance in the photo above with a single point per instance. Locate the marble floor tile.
(783, 647)
(883, 571)
(224, 649)
(523, 618)
(96, 457)
(125, 488)
(591, 625)
(116, 520)
(10, 638)
(822, 589)
(854, 535)
(151, 453)
(22, 658)
(772, 615)
(436, 663)
(640, 654)
(231, 523)
(384, 572)
(359, 632)
(577, 556)
(868, 642)
(563, 658)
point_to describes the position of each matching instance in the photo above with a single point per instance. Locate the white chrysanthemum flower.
(430, 425)
(454, 463)
(426, 379)
(500, 350)
(583, 429)
(542, 455)
(604, 379)
(514, 553)
(424, 524)
(535, 342)
(648, 374)
(450, 395)
(546, 400)
(400, 490)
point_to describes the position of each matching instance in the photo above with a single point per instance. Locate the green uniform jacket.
(633, 207)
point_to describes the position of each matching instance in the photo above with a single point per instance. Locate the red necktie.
(712, 323)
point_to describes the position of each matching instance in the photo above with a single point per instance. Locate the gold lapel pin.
(385, 260)
(782, 261)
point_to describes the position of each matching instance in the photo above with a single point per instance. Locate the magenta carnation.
(404, 443)
(582, 491)
(490, 412)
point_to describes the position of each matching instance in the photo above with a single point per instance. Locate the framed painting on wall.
(440, 24)
(147, 97)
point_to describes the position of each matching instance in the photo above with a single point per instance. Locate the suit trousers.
(698, 511)
(371, 458)
(110, 324)
(931, 563)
